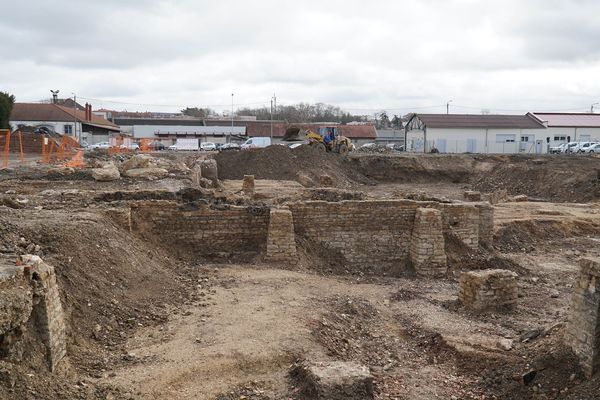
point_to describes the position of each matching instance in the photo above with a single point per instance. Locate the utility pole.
(271, 119)
(232, 113)
(448, 106)
(74, 133)
(273, 108)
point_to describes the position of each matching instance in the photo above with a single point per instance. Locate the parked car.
(229, 147)
(583, 147)
(208, 146)
(173, 147)
(156, 145)
(558, 149)
(594, 148)
(569, 147)
(99, 145)
(256, 142)
(130, 146)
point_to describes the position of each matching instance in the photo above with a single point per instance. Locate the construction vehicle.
(327, 139)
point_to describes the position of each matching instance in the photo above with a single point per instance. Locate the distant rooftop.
(526, 121)
(579, 120)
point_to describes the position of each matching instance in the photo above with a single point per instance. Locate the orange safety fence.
(19, 148)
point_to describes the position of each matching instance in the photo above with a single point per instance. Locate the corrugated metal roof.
(479, 121)
(567, 120)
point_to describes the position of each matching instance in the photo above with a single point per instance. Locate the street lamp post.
(448, 106)
(232, 113)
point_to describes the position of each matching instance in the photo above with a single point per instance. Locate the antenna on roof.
(54, 95)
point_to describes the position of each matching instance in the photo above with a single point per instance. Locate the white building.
(69, 121)
(571, 127)
(169, 128)
(466, 133)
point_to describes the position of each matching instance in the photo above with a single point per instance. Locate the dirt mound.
(462, 257)
(555, 178)
(283, 163)
(531, 235)
(110, 284)
(415, 168)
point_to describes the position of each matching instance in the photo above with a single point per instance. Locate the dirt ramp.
(569, 178)
(282, 163)
(415, 168)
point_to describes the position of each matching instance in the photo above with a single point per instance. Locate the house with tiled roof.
(74, 122)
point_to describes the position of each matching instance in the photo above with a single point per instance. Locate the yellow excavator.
(327, 139)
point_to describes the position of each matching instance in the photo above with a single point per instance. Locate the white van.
(256, 142)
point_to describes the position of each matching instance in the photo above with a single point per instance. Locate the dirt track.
(147, 325)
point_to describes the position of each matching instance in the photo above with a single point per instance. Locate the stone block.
(427, 252)
(248, 185)
(281, 239)
(583, 327)
(490, 289)
(471, 195)
(336, 380)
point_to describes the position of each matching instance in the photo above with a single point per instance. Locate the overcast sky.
(364, 56)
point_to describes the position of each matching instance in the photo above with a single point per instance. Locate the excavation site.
(287, 273)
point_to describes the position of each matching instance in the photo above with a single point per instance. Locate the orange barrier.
(18, 148)
(6, 151)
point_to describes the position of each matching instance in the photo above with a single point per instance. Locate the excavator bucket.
(293, 134)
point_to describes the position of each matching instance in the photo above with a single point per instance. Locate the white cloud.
(491, 54)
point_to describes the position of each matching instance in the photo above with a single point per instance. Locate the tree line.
(304, 112)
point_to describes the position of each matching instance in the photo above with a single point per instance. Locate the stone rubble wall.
(281, 242)
(462, 220)
(204, 230)
(376, 234)
(30, 292)
(427, 252)
(490, 289)
(583, 328)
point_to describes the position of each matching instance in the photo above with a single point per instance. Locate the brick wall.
(281, 242)
(427, 252)
(202, 231)
(583, 329)
(462, 220)
(488, 289)
(373, 235)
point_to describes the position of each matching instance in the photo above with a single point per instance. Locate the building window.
(505, 138)
(560, 138)
(68, 129)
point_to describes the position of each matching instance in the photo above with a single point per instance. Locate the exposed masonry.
(281, 242)
(374, 236)
(427, 253)
(489, 289)
(29, 297)
(583, 329)
(202, 231)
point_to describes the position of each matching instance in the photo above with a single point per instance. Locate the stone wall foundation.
(583, 328)
(427, 253)
(490, 289)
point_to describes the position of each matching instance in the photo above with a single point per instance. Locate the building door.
(471, 145)
(526, 144)
(441, 145)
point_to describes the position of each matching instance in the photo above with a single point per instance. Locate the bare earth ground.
(145, 325)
